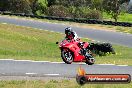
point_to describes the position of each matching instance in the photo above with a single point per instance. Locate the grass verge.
(125, 17)
(32, 44)
(56, 84)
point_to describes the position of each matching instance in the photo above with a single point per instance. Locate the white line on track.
(52, 74)
(6, 59)
(30, 73)
(28, 27)
(93, 40)
(40, 61)
(51, 31)
(55, 23)
(79, 63)
(122, 65)
(4, 23)
(54, 62)
(46, 30)
(3, 73)
(105, 64)
(57, 62)
(22, 60)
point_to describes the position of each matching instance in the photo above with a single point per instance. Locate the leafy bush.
(41, 7)
(130, 9)
(94, 14)
(73, 12)
(81, 12)
(58, 11)
(19, 6)
(84, 12)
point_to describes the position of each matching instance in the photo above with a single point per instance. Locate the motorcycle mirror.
(57, 42)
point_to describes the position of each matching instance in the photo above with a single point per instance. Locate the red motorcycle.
(71, 51)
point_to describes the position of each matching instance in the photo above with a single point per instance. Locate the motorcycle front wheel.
(67, 56)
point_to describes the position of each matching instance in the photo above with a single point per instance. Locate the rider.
(70, 34)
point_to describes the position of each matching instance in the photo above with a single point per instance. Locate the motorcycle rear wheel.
(90, 60)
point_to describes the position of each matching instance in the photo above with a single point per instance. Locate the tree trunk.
(115, 19)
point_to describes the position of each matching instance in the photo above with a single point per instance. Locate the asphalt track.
(43, 69)
(57, 69)
(98, 35)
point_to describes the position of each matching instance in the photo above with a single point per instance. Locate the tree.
(96, 4)
(79, 3)
(58, 11)
(32, 4)
(3, 5)
(19, 6)
(130, 7)
(68, 3)
(112, 7)
(51, 2)
(124, 7)
(40, 7)
(124, 1)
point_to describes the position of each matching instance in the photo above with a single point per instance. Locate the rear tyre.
(90, 60)
(67, 56)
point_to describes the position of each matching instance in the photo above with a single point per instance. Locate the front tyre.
(67, 56)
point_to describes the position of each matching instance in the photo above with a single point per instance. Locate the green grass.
(125, 30)
(123, 56)
(122, 18)
(32, 44)
(27, 43)
(56, 84)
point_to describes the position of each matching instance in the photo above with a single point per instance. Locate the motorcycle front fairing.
(74, 48)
